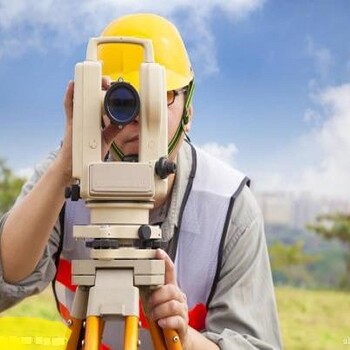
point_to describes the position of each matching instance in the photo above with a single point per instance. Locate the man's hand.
(108, 133)
(168, 304)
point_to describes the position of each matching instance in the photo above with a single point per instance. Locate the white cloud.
(318, 161)
(331, 174)
(226, 153)
(31, 24)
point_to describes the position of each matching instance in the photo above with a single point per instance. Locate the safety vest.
(204, 218)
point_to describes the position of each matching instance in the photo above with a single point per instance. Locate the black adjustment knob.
(144, 232)
(75, 193)
(72, 192)
(165, 167)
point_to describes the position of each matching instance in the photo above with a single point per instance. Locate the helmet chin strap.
(117, 152)
(184, 119)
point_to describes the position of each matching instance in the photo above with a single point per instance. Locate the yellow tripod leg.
(75, 325)
(166, 339)
(172, 339)
(101, 328)
(131, 334)
(156, 335)
(92, 333)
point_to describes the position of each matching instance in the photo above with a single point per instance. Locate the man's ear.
(189, 117)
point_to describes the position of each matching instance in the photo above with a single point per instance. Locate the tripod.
(111, 284)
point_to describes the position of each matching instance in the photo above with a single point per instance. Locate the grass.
(41, 306)
(313, 320)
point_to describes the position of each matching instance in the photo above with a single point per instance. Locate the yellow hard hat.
(123, 60)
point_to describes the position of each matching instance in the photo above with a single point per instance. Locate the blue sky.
(273, 81)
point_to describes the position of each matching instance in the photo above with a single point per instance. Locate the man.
(218, 290)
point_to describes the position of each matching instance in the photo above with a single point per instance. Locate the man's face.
(127, 138)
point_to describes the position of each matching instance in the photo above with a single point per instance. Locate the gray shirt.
(242, 313)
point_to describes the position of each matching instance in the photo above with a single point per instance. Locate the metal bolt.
(70, 323)
(176, 339)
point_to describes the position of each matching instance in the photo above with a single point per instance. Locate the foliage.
(10, 186)
(327, 270)
(332, 226)
(286, 255)
(290, 264)
(336, 226)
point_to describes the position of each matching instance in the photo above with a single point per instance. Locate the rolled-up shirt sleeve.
(242, 313)
(44, 273)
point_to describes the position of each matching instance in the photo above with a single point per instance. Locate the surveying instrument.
(119, 196)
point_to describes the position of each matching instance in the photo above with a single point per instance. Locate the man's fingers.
(106, 82)
(68, 99)
(169, 267)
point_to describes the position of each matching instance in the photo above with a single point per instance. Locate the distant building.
(277, 208)
(295, 210)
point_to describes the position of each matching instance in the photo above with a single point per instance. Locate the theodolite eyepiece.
(122, 103)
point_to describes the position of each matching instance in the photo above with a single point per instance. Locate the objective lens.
(122, 103)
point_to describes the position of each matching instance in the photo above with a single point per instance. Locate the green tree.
(335, 226)
(290, 264)
(10, 186)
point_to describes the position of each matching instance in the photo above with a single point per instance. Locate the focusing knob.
(165, 167)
